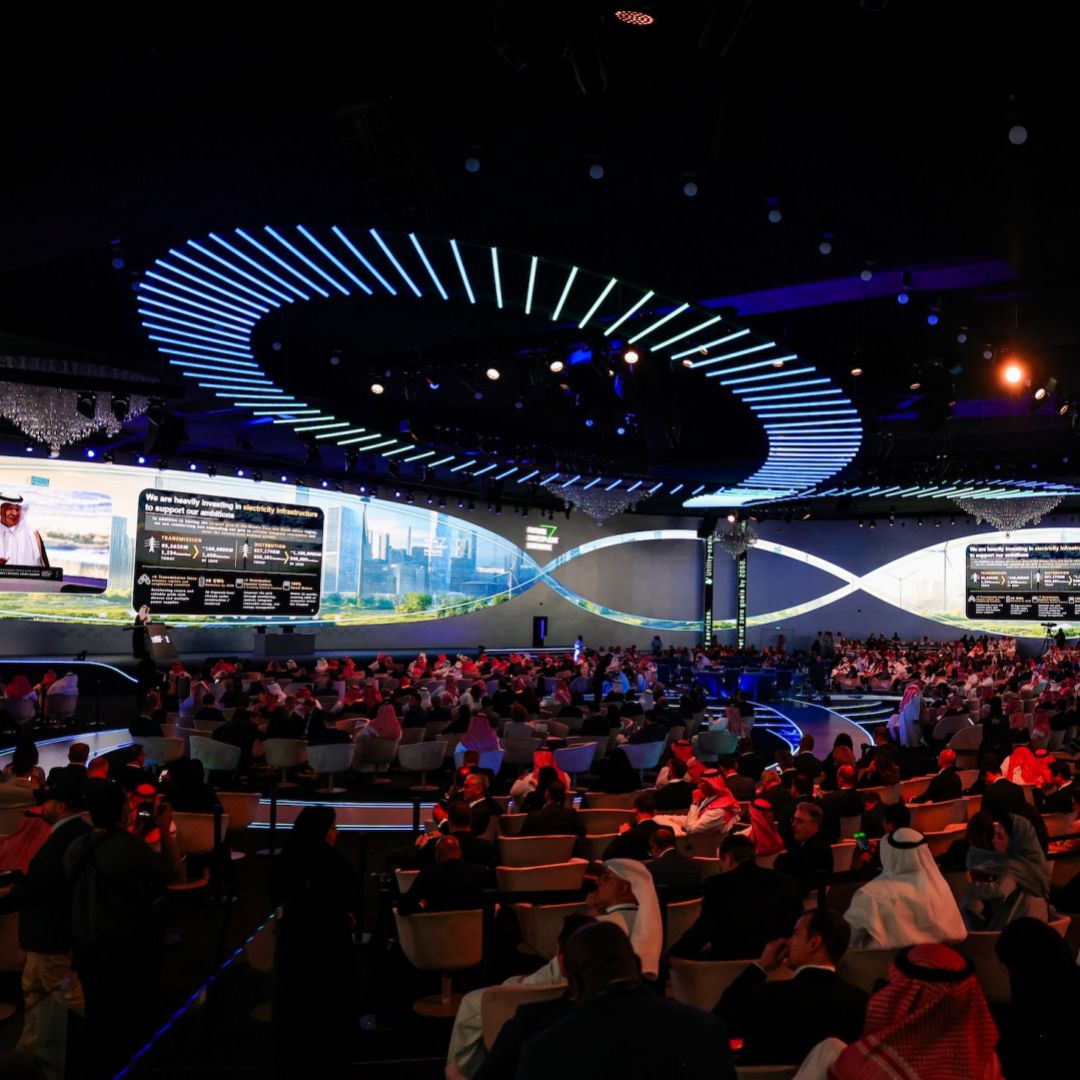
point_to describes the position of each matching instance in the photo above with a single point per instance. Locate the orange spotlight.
(1012, 373)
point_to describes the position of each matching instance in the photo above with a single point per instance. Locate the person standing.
(50, 987)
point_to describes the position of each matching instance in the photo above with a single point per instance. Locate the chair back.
(412, 735)
(329, 758)
(61, 706)
(593, 847)
(557, 877)
(604, 821)
(499, 1003)
(541, 924)
(705, 843)
(489, 759)
(208, 726)
(21, 711)
(842, 854)
(709, 745)
(195, 832)
(369, 752)
(864, 967)
(643, 755)
(158, 750)
(680, 917)
(519, 750)
(599, 800)
(12, 957)
(420, 757)
(442, 940)
(575, 759)
(510, 824)
(967, 777)
(535, 850)
(405, 878)
(708, 865)
(933, 817)
(215, 756)
(980, 947)
(241, 807)
(913, 788)
(1059, 824)
(767, 861)
(849, 826)
(701, 982)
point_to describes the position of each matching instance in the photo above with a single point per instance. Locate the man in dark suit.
(805, 761)
(619, 1026)
(447, 884)
(1001, 796)
(678, 874)
(74, 772)
(554, 818)
(745, 907)
(1060, 800)
(810, 856)
(844, 802)
(651, 731)
(678, 793)
(482, 807)
(946, 785)
(43, 900)
(474, 849)
(742, 787)
(781, 1021)
(633, 843)
(751, 763)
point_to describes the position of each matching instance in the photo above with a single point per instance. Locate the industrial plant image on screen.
(52, 539)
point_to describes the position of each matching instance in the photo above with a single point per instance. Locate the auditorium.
(539, 539)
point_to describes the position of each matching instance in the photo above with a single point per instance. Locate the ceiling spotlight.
(932, 318)
(472, 165)
(91, 453)
(192, 466)
(688, 363)
(1063, 408)
(866, 274)
(778, 363)
(620, 430)
(856, 371)
(121, 406)
(775, 216)
(961, 338)
(492, 373)
(377, 388)
(860, 523)
(1040, 393)
(988, 353)
(432, 384)
(631, 356)
(335, 358)
(825, 247)
(902, 297)
(479, 395)
(241, 473)
(596, 171)
(806, 516)
(556, 366)
(589, 421)
(635, 16)
(732, 518)
(915, 386)
(689, 189)
(1013, 373)
(284, 478)
(142, 460)
(1018, 134)
(86, 404)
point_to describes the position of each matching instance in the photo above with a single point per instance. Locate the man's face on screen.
(10, 514)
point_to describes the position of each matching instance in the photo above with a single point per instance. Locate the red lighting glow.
(634, 17)
(1013, 374)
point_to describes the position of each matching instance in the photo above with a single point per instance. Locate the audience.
(446, 883)
(679, 874)
(810, 856)
(554, 818)
(1010, 877)
(946, 784)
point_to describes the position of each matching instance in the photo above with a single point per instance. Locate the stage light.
(211, 471)
(142, 460)
(1013, 373)
(689, 189)
(519, 404)
(961, 338)
(556, 366)
(825, 247)
(775, 216)
(732, 518)
(806, 516)
(432, 384)
(688, 363)
(29, 449)
(892, 520)
(1018, 134)
(492, 374)
(915, 386)
(86, 404)
(1064, 408)
(192, 467)
(1040, 393)
(860, 523)
(919, 521)
(284, 478)
(377, 388)
(589, 421)
(620, 431)
(596, 171)
(902, 297)
(631, 356)
(932, 319)
(873, 524)
(775, 364)
(121, 406)
(988, 353)
(856, 371)
(276, 346)
(241, 473)
(91, 453)
(635, 17)
(472, 165)
(866, 274)
(478, 395)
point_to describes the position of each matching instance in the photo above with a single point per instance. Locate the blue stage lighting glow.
(784, 386)
(572, 480)
(216, 359)
(589, 421)
(553, 476)
(902, 298)
(710, 360)
(427, 265)
(258, 266)
(363, 259)
(442, 461)
(283, 264)
(932, 319)
(226, 353)
(580, 356)
(142, 460)
(202, 295)
(90, 453)
(674, 313)
(786, 374)
(216, 312)
(464, 465)
(531, 285)
(655, 488)
(461, 270)
(217, 273)
(507, 472)
(565, 293)
(698, 490)
(592, 483)
(485, 469)
(596, 303)
(307, 262)
(676, 489)
(528, 476)
(221, 344)
(243, 273)
(420, 457)
(497, 276)
(686, 333)
(396, 450)
(629, 312)
(261, 308)
(635, 485)
(220, 332)
(334, 259)
(613, 485)
(393, 259)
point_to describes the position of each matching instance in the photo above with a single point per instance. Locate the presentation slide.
(53, 539)
(1023, 581)
(206, 555)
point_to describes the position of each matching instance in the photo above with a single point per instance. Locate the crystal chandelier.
(737, 539)
(598, 503)
(1009, 514)
(51, 416)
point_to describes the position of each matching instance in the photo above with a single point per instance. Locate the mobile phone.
(861, 841)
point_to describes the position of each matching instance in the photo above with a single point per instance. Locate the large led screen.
(1023, 581)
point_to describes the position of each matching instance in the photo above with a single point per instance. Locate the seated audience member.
(385, 724)
(284, 723)
(1025, 766)
(186, 788)
(946, 785)
(555, 817)
(882, 771)
(745, 907)
(781, 1021)
(805, 762)
(1010, 877)
(651, 729)
(1060, 799)
(480, 735)
(625, 897)
(529, 1020)
(127, 767)
(1000, 796)
(447, 883)
(845, 801)
(677, 793)
(750, 763)
(209, 709)
(23, 766)
(528, 783)
(679, 874)
(742, 787)
(1036, 1030)
(714, 808)
(633, 840)
(618, 777)
(322, 730)
(763, 831)
(682, 751)
(148, 722)
(929, 1020)
(474, 849)
(483, 808)
(810, 856)
(241, 732)
(908, 903)
(842, 753)
(74, 772)
(614, 1026)
(880, 818)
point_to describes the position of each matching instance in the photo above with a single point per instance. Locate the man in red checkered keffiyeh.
(929, 1022)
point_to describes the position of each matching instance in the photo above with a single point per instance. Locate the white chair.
(284, 754)
(541, 924)
(215, 756)
(373, 755)
(701, 982)
(604, 821)
(241, 809)
(422, 758)
(443, 941)
(842, 855)
(499, 1003)
(557, 877)
(208, 726)
(195, 836)
(709, 745)
(680, 917)
(643, 756)
(574, 760)
(489, 759)
(159, 750)
(535, 850)
(327, 759)
(60, 707)
(22, 712)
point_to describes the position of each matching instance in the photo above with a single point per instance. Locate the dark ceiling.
(881, 128)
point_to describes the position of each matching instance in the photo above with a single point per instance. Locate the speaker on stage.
(540, 629)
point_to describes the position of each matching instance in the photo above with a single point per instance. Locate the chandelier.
(737, 539)
(51, 416)
(1009, 514)
(597, 502)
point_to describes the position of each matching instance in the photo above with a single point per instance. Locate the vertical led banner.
(740, 596)
(707, 591)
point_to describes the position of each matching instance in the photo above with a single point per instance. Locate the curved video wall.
(90, 543)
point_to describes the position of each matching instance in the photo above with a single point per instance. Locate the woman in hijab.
(386, 724)
(1037, 1036)
(314, 965)
(909, 903)
(767, 841)
(529, 784)
(929, 1022)
(1010, 877)
(480, 735)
